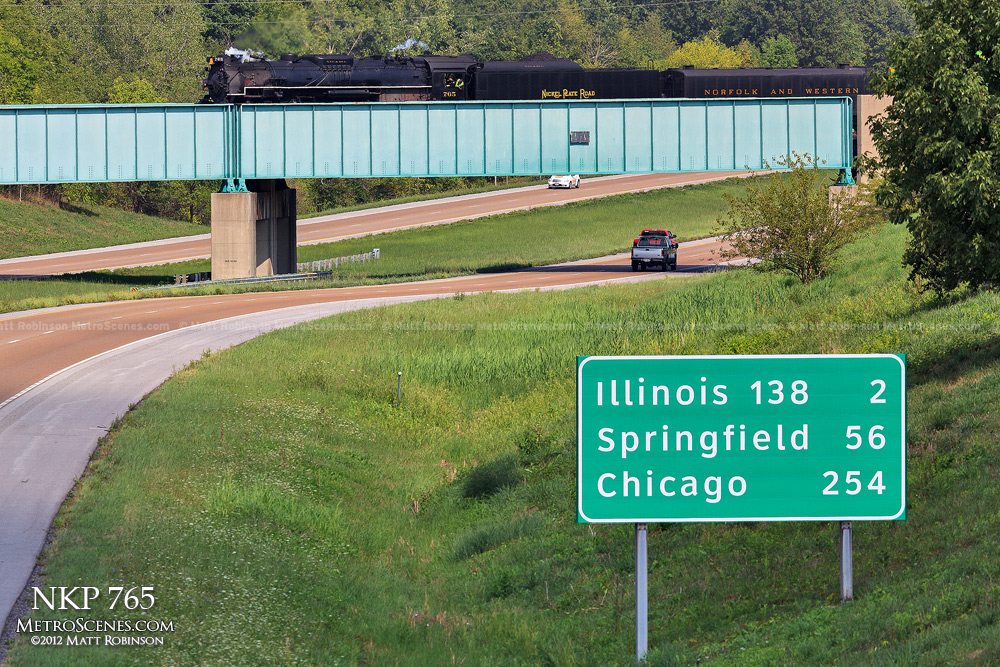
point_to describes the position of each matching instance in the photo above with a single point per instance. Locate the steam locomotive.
(340, 78)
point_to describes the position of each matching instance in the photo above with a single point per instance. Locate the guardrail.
(336, 262)
(306, 271)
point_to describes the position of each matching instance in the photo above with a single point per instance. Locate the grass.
(31, 229)
(517, 182)
(500, 243)
(298, 517)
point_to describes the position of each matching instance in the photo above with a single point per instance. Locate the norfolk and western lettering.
(778, 92)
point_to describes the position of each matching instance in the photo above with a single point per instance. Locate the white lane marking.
(150, 312)
(185, 307)
(46, 333)
(117, 317)
(16, 340)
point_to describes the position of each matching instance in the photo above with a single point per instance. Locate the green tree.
(132, 91)
(824, 32)
(33, 64)
(939, 142)
(788, 223)
(704, 53)
(689, 21)
(18, 73)
(656, 42)
(881, 22)
(778, 52)
(355, 27)
(158, 41)
(225, 19)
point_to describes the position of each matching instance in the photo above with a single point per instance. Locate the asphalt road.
(357, 223)
(67, 372)
(35, 344)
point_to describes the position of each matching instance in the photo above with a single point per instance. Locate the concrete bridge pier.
(253, 232)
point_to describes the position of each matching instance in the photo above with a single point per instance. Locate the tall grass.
(288, 512)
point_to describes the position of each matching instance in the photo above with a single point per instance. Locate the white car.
(570, 181)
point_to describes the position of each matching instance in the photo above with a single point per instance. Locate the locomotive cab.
(451, 77)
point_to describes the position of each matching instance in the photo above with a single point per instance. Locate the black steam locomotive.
(334, 78)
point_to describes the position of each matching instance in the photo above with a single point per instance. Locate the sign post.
(846, 562)
(741, 438)
(641, 592)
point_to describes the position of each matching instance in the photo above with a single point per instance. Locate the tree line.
(113, 51)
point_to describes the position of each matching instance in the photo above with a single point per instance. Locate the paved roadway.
(35, 344)
(67, 372)
(356, 223)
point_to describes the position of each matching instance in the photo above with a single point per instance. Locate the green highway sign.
(741, 438)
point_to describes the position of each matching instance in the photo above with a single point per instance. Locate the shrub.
(790, 223)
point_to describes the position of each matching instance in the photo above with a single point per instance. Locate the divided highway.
(329, 228)
(67, 372)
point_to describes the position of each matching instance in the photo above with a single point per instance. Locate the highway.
(356, 223)
(35, 344)
(68, 372)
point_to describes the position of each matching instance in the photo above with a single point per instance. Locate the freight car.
(338, 78)
(766, 82)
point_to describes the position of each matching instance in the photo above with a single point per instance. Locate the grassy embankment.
(514, 240)
(298, 517)
(31, 229)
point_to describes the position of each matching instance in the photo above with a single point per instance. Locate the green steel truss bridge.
(253, 148)
(148, 142)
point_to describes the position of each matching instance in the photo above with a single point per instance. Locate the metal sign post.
(641, 593)
(846, 564)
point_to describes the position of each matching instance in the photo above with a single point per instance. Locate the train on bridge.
(340, 78)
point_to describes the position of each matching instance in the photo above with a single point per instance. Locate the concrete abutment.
(253, 233)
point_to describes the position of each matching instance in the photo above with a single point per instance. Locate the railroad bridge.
(253, 148)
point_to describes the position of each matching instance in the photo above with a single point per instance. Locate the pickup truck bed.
(658, 251)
